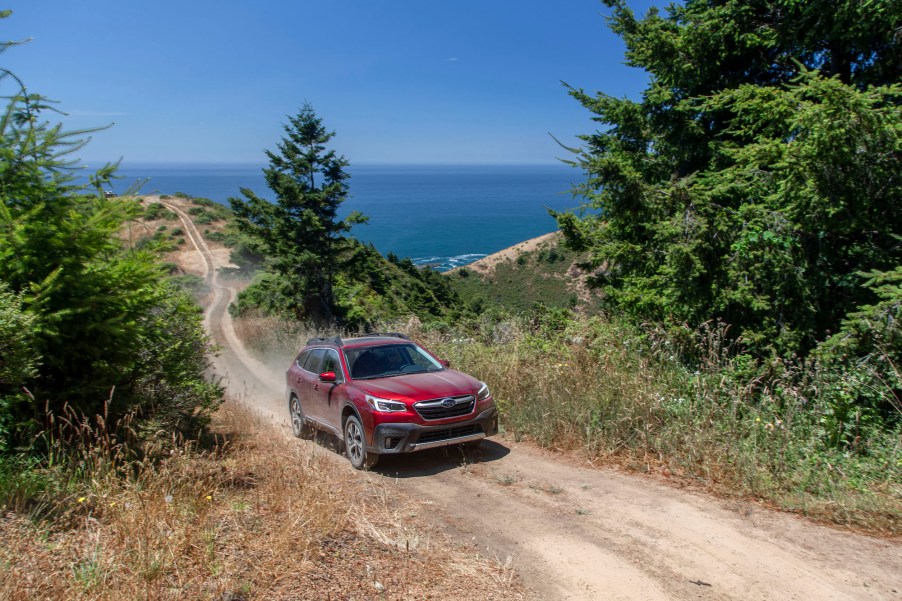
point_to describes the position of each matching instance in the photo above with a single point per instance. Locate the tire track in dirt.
(579, 533)
(243, 375)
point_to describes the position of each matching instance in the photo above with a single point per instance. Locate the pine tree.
(757, 175)
(301, 233)
(87, 313)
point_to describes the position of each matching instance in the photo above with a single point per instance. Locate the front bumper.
(405, 438)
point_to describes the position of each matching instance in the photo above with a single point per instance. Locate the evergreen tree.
(88, 315)
(301, 233)
(757, 177)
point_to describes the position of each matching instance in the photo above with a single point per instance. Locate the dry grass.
(619, 396)
(258, 516)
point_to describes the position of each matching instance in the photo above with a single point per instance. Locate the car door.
(307, 381)
(330, 393)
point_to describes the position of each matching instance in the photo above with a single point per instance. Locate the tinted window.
(314, 362)
(302, 358)
(389, 360)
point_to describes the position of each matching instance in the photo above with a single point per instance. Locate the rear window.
(302, 358)
(314, 361)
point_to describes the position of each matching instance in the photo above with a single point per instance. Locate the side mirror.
(328, 376)
(445, 363)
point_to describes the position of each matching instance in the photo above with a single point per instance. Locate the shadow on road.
(436, 461)
(423, 463)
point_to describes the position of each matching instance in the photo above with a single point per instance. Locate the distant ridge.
(487, 264)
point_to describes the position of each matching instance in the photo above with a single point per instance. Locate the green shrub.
(106, 333)
(154, 211)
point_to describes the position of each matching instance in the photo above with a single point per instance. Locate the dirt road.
(575, 532)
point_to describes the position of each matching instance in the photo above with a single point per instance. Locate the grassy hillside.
(515, 280)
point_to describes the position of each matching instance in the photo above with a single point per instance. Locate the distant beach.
(445, 216)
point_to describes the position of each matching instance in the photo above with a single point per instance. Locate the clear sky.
(400, 81)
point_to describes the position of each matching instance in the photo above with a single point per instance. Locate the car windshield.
(366, 363)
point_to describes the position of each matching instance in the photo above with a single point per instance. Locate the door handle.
(316, 387)
(299, 381)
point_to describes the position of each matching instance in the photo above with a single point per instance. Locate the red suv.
(383, 394)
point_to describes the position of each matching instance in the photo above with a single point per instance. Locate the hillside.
(243, 512)
(372, 288)
(540, 270)
(559, 517)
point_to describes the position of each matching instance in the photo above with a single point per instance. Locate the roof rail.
(336, 340)
(387, 335)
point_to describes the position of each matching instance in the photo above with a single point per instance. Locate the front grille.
(434, 409)
(449, 433)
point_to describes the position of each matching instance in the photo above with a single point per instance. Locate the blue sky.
(400, 81)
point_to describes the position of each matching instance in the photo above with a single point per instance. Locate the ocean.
(445, 216)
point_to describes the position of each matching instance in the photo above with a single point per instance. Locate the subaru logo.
(448, 403)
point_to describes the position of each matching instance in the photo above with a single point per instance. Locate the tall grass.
(619, 393)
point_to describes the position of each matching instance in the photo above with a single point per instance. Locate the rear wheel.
(299, 425)
(355, 445)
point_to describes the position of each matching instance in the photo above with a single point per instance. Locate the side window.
(302, 358)
(332, 363)
(314, 362)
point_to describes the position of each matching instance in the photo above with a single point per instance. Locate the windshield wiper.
(387, 374)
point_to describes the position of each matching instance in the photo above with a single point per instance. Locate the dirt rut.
(577, 533)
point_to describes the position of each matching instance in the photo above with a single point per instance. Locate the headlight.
(483, 393)
(385, 405)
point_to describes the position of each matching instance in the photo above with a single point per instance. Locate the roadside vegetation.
(617, 394)
(249, 515)
(91, 323)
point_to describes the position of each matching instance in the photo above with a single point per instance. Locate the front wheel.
(355, 445)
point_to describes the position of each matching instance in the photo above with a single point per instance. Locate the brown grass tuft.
(258, 516)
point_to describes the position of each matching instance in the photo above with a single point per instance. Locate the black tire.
(299, 426)
(355, 445)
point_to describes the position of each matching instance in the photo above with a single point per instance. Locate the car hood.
(421, 387)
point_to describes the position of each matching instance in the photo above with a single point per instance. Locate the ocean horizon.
(440, 215)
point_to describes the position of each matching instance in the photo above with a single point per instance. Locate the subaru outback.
(384, 394)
